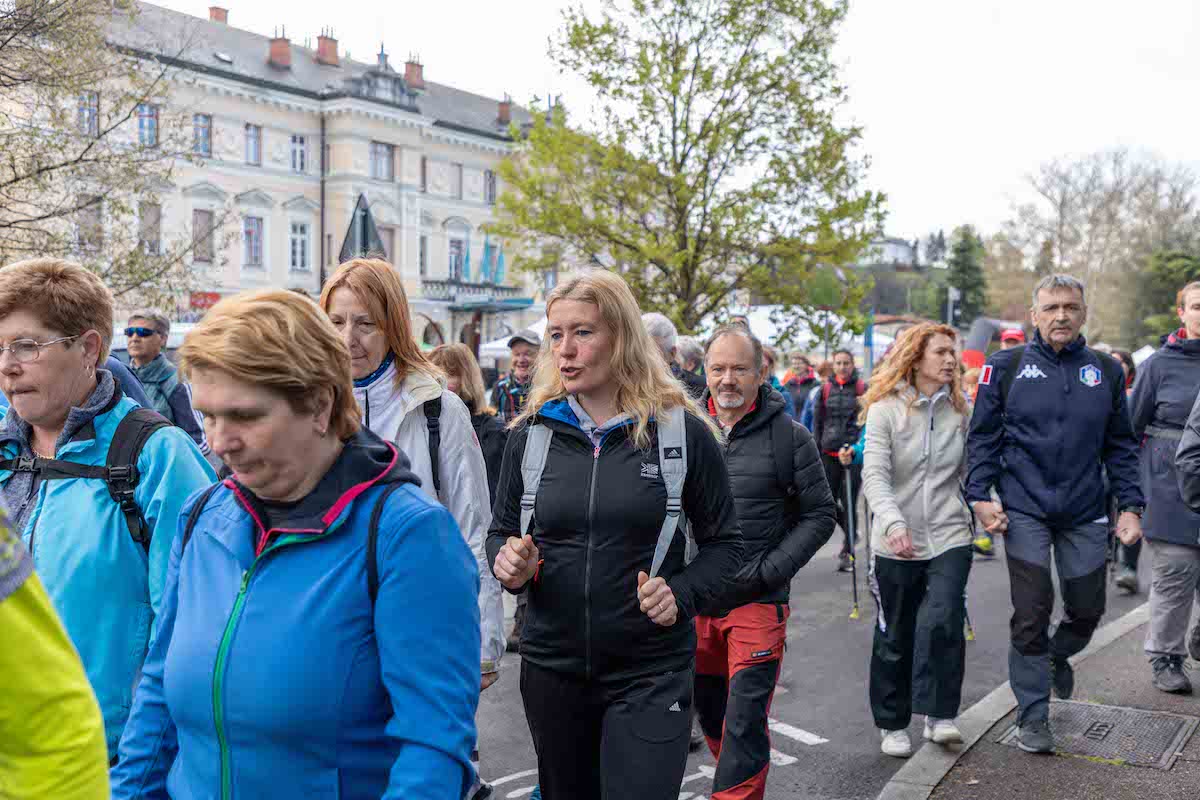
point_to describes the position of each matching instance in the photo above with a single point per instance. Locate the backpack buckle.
(674, 506)
(123, 477)
(25, 464)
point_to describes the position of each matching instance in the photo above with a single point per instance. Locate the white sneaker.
(896, 743)
(942, 731)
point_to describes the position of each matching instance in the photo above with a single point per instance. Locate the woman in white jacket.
(916, 422)
(403, 399)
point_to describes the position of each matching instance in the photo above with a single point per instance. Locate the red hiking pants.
(737, 663)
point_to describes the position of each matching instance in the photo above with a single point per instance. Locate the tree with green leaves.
(89, 144)
(832, 314)
(1167, 271)
(966, 273)
(713, 167)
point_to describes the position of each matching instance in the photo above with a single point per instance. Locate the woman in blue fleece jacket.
(276, 670)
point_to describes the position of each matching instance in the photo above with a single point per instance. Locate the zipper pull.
(245, 580)
(596, 452)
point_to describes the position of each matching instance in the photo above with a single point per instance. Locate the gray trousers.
(1176, 584)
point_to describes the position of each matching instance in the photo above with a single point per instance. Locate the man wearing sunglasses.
(147, 336)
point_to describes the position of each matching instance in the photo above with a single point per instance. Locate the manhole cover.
(1113, 733)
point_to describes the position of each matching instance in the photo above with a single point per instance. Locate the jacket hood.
(1178, 342)
(366, 461)
(382, 402)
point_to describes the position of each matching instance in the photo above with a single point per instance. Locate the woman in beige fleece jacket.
(916, 422)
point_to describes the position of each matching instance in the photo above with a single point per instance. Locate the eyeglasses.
(26, 351)
(142, 332)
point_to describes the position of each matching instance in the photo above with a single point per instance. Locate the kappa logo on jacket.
(1090, 376)
(650, 471)
(1031, 371)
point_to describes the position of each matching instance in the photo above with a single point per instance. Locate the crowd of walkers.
(277, 568)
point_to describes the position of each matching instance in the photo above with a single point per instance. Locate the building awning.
(490, 305)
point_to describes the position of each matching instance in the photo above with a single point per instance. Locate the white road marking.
(516, 776)
(520, 792)
(781, 690)
(781, 759)
(799, 734)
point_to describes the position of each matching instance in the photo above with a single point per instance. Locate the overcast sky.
(959, 99)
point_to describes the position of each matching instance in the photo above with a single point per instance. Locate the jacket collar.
(378, 390)
(766, 405)
(1180, 343)
(1044, 348)
(157, 371)
(365, 461)
(80, 425)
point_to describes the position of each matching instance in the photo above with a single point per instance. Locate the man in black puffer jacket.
(787, 513)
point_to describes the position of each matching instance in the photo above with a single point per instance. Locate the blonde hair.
(378, 286)
(902, 364)
(66, 298)
(458, 361)
(281, 341)
(645, 385)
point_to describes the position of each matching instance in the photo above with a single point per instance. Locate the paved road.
(826, 745)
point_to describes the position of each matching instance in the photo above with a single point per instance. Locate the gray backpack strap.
(672, 459)
(533, 463)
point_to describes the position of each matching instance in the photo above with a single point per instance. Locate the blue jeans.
(1079, 552)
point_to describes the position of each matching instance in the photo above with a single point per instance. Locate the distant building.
(320, 158)
(890, 252)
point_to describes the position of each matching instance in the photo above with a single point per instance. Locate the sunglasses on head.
(141, 332)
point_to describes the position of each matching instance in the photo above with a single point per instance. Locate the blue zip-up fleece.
(1166, 389)
(104, 587)
(1065, 419)
(272, 675)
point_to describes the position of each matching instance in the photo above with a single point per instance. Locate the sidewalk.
(1127, 739)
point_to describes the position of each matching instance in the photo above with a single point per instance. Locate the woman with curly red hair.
(916, 415)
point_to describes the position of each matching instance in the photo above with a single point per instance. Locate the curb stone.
(921, 774)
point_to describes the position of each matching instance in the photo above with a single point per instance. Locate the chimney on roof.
(327, 48)
(414, 73)
(218, 14)
(504, 117)
(281, 50)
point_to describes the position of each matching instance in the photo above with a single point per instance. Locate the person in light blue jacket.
(320, 628)
(103, 565)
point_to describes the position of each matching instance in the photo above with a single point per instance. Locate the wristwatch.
(1138, 510)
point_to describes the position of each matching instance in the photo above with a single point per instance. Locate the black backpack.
(119, 472)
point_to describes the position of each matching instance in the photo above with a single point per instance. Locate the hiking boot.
(1036, 737)
(1169, 676)
(1062, 678)
(895, 743)
(845, 560)
(1127, 580)
(984, 546)
(942, 731)
(1194, 643)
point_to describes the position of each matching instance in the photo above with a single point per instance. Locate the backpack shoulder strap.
(194, 514)
(672, 459)
(1010, 375)
(131, 436)
(782, 447)
(373, 541)
(433, 421)
(533, 463)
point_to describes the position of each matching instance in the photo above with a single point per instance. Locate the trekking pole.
(970, 629)
(850, 534)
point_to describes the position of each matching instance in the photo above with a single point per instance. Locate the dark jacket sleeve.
(180, 402)
(1121, 452)
(985, 441)
(818, 413)
(493, 442)
(1141, 404)
(816, 511)
(506, 510)
(1187, 460)
(708, 505)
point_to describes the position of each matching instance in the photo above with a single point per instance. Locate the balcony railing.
(461, 290)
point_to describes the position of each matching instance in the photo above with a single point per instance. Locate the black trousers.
(920, 651)
(608, 740)
(836, 474)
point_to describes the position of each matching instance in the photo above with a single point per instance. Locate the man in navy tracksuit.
(1048, 418)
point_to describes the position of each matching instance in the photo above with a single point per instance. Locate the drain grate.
(1118, 734)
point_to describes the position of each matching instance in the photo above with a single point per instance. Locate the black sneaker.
(1168, 675)
(483, 792)
(1062, 678)
(1127, 580)
(1194, 643)
(1036, 737)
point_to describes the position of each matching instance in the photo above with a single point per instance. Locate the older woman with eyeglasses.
(94, 484)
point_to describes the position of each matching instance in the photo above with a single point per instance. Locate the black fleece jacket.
(596, 522)
(781, 533)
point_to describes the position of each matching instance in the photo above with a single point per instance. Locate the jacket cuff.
(899, 523)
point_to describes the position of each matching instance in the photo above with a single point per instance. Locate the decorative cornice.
(255, 197)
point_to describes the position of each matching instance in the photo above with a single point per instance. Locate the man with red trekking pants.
(787, 514)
